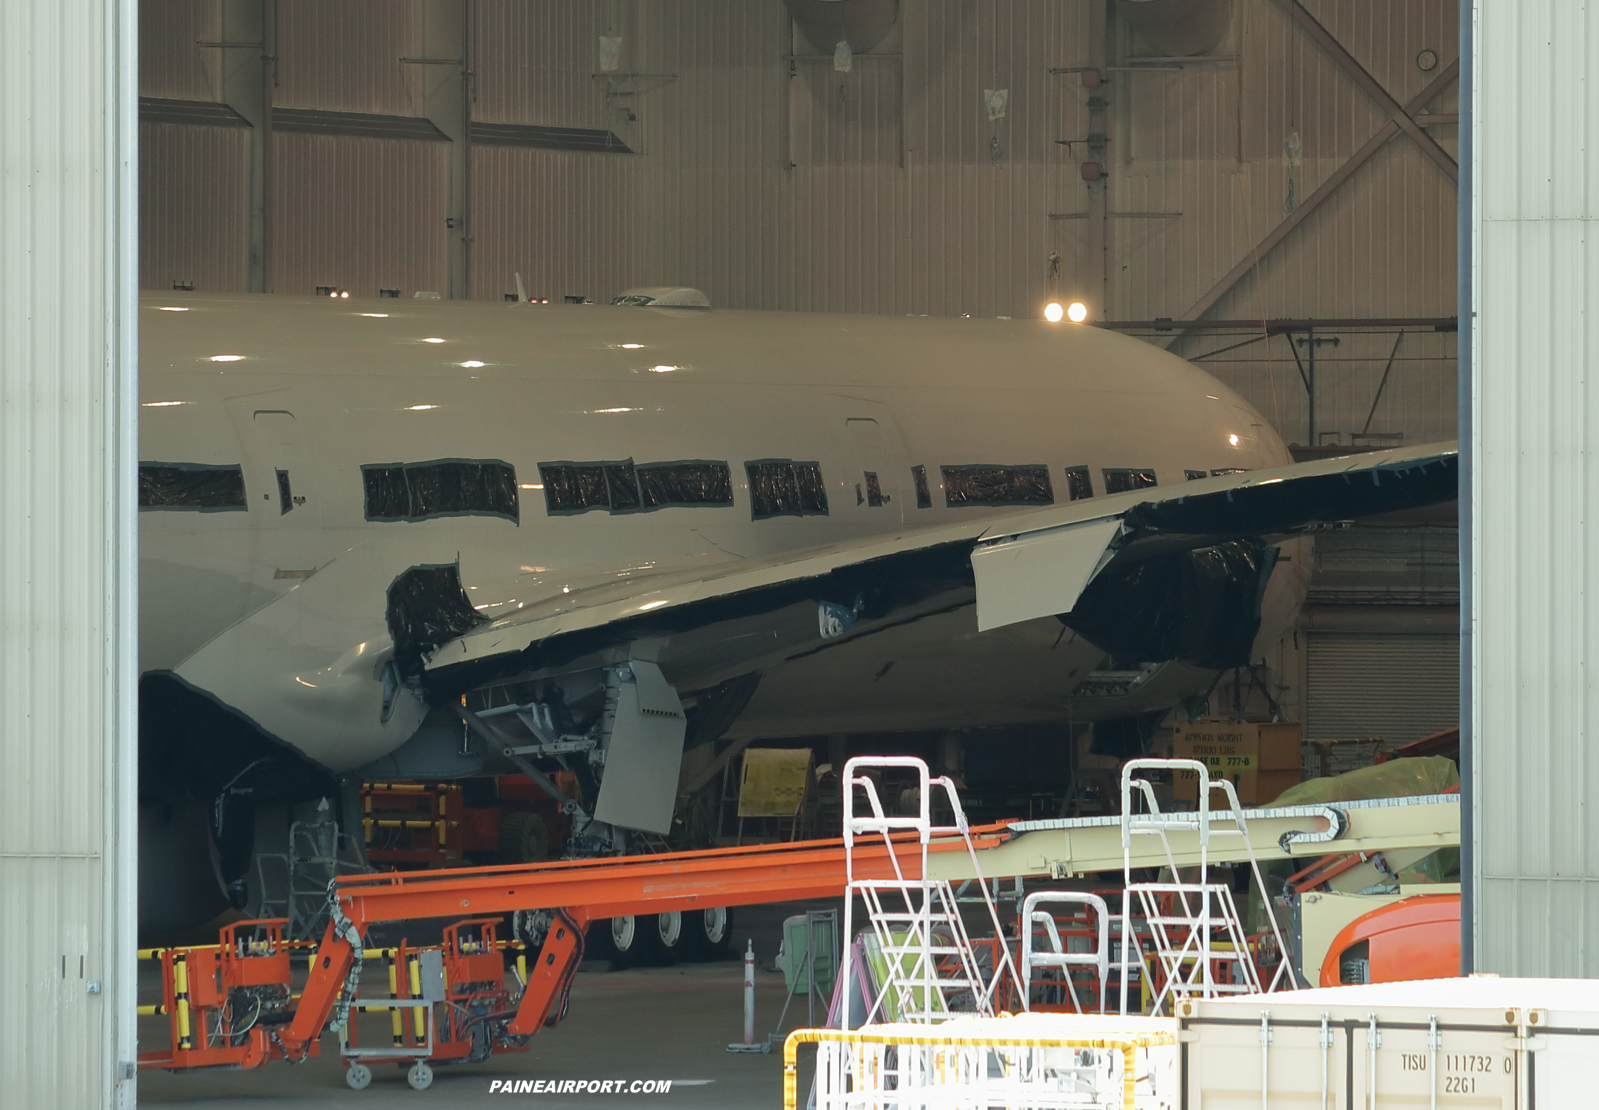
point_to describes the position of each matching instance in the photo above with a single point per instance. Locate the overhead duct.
(1177, 28)
(861, 23)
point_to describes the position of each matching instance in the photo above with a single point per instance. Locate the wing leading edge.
(1026, 565)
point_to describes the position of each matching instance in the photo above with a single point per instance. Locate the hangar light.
(1232, 440)
(433, 339)
(472, 363)
(161, 404)
(1077, 312)
(376, 315)
(1053, 312)
(625, 346)
(226, 358)
(172, 308)
(420, 408)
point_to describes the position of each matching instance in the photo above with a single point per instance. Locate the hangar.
(471, 432)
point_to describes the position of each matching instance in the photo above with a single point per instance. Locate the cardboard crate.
(1260, 759)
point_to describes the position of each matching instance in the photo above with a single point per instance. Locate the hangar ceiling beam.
(249, 71)
(1403, 116)
(1326, 189)
(444, 73)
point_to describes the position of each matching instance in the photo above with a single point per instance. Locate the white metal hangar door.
(1396, 685)
(68, 526)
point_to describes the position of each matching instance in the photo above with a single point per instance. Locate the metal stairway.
(929, 969)
(1193, 926)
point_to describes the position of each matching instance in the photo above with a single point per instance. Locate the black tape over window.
(285, 494)
(442, 487)
(1193, 475)
(693, 482)
(997, 485)
(1120, 479)
(924, 497)
(1220, 471)
(783, 487)
(874, 491)
(1078, 483)
(427, 607)
(191, 487)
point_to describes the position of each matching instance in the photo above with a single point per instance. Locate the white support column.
(68, 516)
(1535, 489)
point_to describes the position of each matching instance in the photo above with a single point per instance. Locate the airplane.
(428, 539)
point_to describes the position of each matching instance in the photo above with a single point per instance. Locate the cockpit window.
(783, 487)
(191, 487)
(1120, 479)
(997, 485)
(409, 492)
(1078, 484)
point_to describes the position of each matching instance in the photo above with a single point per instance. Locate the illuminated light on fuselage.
(227, 358)
(1053, 312)
(1232, 440)
(1077, 312)
(433, 339)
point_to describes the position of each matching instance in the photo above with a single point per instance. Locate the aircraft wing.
(1176, 554)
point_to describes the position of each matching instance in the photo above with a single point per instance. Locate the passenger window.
(1120, 479)
(192, 487)
(1078, 484)
(1217, 473)
(406, 492)
(285, 494)
(1193, 475)
(924, 497)
(997, 485)
(874, 491)
(696, 482)
(783, 487)
(571, 487)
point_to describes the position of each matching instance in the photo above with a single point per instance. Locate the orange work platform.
(584, 890)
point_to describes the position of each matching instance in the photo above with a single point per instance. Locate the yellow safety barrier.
(1123, 1035)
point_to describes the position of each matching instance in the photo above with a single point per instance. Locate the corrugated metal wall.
(67, 283)
(1399, 686)
(1535, 475)
(779, 183)
(195, 178)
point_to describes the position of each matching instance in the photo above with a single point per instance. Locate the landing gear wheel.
(420, 1077)
(523, 838)
(671, 936)
(708, 932)
(359, 1077)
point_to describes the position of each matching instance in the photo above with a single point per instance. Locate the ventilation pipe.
(861, 23)
(1176, 28)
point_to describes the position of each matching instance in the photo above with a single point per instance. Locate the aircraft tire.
(523, 838)
(708, 933)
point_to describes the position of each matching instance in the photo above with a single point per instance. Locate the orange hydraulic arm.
(585, 889)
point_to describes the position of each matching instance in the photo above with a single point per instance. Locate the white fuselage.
(280, 614)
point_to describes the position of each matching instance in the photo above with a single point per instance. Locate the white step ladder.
(915, 920)
(1058, 956)
(1192, 926)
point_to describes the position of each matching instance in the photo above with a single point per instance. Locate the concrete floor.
(642, 1023)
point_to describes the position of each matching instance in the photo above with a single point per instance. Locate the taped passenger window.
(574, 487)
(285, 494)
(924, 497)
(1120, 479)
(1078, 484)
(1224, 470)
(693, 482)
(192, 487)
(997, 485)
(874, 491)
(397, 492)
(622, 484)
(783, 487)
(1193, 475)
